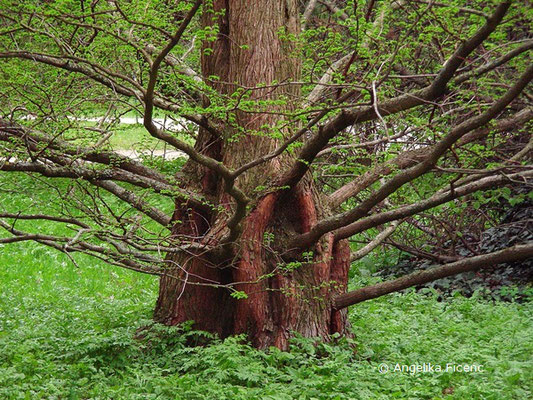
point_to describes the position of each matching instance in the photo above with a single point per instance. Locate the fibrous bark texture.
(284, 295)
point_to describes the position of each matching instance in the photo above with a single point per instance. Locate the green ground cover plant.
(72, 333)
(125, 136)
(85, 332)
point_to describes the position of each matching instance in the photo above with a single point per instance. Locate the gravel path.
(135, 154)
(160, 122)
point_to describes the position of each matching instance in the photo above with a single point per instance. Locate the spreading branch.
(409, 158)
(417, 170)
(401, 103)
(437, 199)
(510, 254)
(380, 238)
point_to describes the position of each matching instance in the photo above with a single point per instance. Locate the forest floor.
(69, 333)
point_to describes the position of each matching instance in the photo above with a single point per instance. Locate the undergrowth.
(69, 333)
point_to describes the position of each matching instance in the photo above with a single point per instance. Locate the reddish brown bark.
(283, 296)
(183, 294)
(281, 301)
(295, 299)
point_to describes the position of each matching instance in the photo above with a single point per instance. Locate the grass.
(68, 333)
(133, 136)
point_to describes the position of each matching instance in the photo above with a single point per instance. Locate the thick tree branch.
(392, 106)
(135, 201)
(218, 167)
(318, 91)
(417, 170)
(9, 131)
(209, 162)
(120, 168)
(330, 5)
(380, 238)
(510, 254)
(411, 157)
(307, 13)
(75, 171)
(433, 201)
(494, 64)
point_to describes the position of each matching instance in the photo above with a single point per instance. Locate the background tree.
(297, 135)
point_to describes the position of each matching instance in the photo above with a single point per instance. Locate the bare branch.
(380, 238)
(510, 254)
(97, 178)
(423, 254)
(404, 102)
(344, 62)
(77, 66)
(131, 198)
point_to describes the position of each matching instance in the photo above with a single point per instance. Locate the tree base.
(282, 297)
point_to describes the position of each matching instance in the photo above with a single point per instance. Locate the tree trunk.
(283, 296)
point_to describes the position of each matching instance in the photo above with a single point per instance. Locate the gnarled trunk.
(283, 296)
